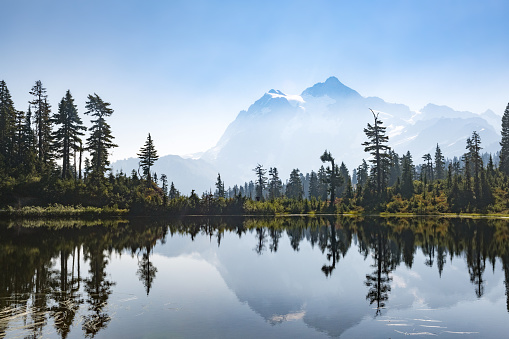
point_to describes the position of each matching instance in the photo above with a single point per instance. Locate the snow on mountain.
(292, 131)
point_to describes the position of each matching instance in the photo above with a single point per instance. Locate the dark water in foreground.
(255, 278)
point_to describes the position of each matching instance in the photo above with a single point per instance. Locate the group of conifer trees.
(42, 154)
(32, 141)
(393, 182)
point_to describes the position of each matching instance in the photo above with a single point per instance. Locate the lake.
(287, 277)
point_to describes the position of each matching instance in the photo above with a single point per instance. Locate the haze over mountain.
(292, 131)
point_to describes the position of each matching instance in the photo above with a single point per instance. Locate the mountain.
(292, 131)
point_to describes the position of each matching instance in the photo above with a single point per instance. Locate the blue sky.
(182, 70)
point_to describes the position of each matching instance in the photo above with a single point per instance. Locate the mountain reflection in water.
(303, 277)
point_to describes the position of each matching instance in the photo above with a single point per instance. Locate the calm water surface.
(255, 278)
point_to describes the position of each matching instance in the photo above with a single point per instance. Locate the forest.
(51, 165)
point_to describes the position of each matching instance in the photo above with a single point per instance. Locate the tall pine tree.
(294, 187)
(333, 179)
(100, 140)
(148, 156)
(67, 137)
(7, 129)
(439, 164)
(261, 181)
(379, 150)
(504, 151)
(43, 125)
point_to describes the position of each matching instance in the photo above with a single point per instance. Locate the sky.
(183, 70)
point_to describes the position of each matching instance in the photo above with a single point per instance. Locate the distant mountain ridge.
(292, 131)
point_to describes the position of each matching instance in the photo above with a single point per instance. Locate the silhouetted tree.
(439, 164)
(148, 156)
(313, 186)
(294, 187)
(43, 123)
(219, 187)
(332, 178)
(377, 148)
(100, 140)
(407, 175)
(67, 137)
(146, 270)
(261, 181)
(504, 151)
(275, 184)
(8, 119)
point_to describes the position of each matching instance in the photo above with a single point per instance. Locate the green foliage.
(377, 147)
(148, 156)
(100, 140)
(67, 137)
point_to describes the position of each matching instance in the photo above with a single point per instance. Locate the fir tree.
(475, 161)
(294, 187)
(261, 181)
(43, 123)
(504, 151)
(67, 136)
(377, 148)
(439, 164)
(362, 174)
(7, 128)
(100, 140)
(219, 187)
(345, 179)
(174, 193)
(148, 156)
(427, 167)
(322, 184)
(333, 178)
(275, 184)
(395, 169)
(313, 186)
(407, 176)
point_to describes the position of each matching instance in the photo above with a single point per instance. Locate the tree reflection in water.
(146, 270)
(385, 254)
(41, 279)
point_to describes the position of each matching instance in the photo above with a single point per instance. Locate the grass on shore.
(58, 210)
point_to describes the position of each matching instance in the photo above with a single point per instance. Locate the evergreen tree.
(407, 176)
(7, 128)
(344, 179)
(395, 169)
(504, 151)
(67, 136)
(261, 181)
(294, 188)
(490, 169)
(43, 123)
(100, 140)
(427, 167)
(313, 186)
(164, 187)
(439, 164)
(322, 184)
(362, 174)
(148, 156)
(219, 187)
(174, 193)
(275, 184)
(27, 153)
(377, 148)
(332, 178)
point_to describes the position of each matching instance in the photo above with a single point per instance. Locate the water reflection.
(42, 284)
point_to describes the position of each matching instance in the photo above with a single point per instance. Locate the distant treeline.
(45, 159)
